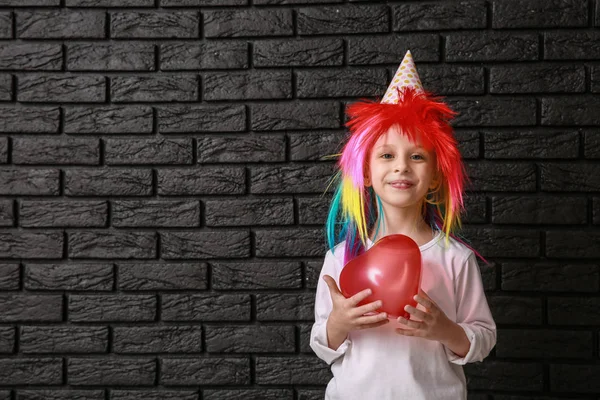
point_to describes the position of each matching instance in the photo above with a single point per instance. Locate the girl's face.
(394, 158)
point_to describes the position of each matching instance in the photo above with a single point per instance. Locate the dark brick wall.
(161, 212)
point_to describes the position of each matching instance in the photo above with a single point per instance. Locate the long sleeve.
(323, 306)
(473, 314)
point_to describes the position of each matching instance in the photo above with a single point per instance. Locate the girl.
(401, 172)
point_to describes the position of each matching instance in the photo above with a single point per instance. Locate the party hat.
(405, 76)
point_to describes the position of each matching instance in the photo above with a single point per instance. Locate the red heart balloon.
(391, 268)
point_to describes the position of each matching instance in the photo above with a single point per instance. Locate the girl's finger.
(407, 332)
(427, 303)
(374, 325)
(410, 323)
(358, 297)
(417, 313)
(368, 308)
(371, 319)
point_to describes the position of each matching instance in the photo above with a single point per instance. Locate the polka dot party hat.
(406, 75)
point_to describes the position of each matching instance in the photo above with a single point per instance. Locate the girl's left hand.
(433, 324)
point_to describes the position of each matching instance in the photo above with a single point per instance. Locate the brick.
(6, 91)
(439, 16)
(537, 79)
(9, 276)
(7, 213)
(573, 311)
(63, 339)
(158, 25)
(238, 149)
(529, 343)
(290, 243)
(111, 308)
(157, 88)
(504, 375)
(449, 79)
(569, 244)
(314, 146)
(108, 182)
(206, 245)
(491, 46)
(468, 143)
(298, 53)
(56, 151)
(542, 276)
(494, 111)
(31, 56)
(4, 150)
(22, 244)
(7, 343)
(248, 22)
(539, 14)
(575, 45)
(501, 176)
(574, 378)
(30, 307)
(112, 119)
(476, 208)
(61, 88)
(301, 178)
(256, 276)
(226, 54)
(110, 57)
(155, 213)
(596, 210)
(296, 370)
(154, 151)
(569, 177)
(354, 82)
(205, 371)
(202, 181)
(157, 339)
(549, 143)
(249, 212)
(31, 371)
(111, 371)
(312, 270)
(199, 119)
(163, 276)
(384, 49)
(285, 307)
(56, 213)
(35, 3)
(205, 307)
(60, 24)
(295, 115)
(161, 394)
(305, 330)
(112, 244)
(252, 85)
(72, 277)
(570, 111)
(68, 394)
(591, 144)
(517, 310)
(250, 339)
(109, 3)
(249, 394)
(6, 25)
(313, 210)
(539, 210)
(311, 394)
(504, 242)
(29, 119)
(338, 20)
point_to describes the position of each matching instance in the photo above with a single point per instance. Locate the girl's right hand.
(346, 316)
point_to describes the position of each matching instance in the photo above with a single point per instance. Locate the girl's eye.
(385, 154)
(414, 155)
(418, 155)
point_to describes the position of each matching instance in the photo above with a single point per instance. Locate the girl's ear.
(367, 181)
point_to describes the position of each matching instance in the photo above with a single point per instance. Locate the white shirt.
(378, 363)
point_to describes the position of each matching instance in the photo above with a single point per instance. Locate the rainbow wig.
(354, 208)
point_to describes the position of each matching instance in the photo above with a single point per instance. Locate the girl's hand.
(433, 324)
(345, 316)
